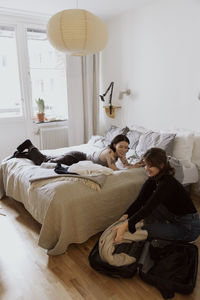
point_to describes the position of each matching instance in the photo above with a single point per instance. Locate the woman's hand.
(139, 164)
(124, 160)
(124, 217)
(121, 229)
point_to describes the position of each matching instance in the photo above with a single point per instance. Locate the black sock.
(25, 145)
(63, 170)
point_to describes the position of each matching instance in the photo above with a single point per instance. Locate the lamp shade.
(77, 32)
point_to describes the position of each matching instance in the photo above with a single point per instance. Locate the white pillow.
(94, 139)
(113, 131)
(138, 128)
(196, 149)
(183, 146)
(98, 141)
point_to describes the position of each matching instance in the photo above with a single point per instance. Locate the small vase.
(40, 117)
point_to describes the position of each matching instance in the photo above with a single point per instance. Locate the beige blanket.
(46, 175)
(70, 212)
(107, 246)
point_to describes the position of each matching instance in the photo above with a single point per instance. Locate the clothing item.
(107, 247)
(33, 154)
(176, 201)
(25, 145)
(38, 158)
(95, 158)
(69, 158)
(166, 225)
(62, 170)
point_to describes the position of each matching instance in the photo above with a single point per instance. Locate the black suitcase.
(170, 266)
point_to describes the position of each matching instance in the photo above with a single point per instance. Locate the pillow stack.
(142, 139)
(179, 143)
(104, 141)
(151, 139)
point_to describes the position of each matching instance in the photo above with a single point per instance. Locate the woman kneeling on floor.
(163, 203)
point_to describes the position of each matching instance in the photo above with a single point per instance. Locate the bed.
(73, 208)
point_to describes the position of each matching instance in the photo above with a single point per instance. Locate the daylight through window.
(10, 94)
(48, 75)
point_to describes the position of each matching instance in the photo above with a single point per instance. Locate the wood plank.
(28, 273)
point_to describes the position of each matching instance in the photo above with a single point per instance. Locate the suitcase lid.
(144, 264)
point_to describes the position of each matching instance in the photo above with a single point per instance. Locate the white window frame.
(21, 23)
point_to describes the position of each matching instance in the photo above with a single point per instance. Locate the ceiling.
(103, 8)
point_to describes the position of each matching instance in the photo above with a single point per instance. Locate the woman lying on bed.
(163, 204)
(106, 157)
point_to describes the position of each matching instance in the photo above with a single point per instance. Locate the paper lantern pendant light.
(77, 32)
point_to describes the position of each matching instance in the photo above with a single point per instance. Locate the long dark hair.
(157, 157)
(118, 138)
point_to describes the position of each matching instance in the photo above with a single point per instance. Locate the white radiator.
(53, 137)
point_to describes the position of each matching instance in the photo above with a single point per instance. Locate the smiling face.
(151, 170)
(121, 148)
(156, 162)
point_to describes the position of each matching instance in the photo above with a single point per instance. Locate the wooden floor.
(28, 273)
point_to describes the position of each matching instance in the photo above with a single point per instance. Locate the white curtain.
(83, 97)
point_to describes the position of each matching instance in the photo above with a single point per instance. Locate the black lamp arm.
(111, 92)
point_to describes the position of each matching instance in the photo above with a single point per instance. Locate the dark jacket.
(165, 190)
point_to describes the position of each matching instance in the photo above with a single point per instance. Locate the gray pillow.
(131, 156)
(151, 139)
(114, 131)
(97, 141)
(102, 143)
(133, 136)
(94, 139)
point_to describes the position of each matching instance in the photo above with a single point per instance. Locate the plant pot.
(40, 117)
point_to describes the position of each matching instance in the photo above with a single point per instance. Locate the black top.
(166, 190)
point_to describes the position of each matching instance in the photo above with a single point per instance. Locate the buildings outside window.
(26, 50)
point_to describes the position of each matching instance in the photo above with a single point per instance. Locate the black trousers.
(38, 158)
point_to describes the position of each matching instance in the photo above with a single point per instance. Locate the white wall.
(155, 51)
(12, 134)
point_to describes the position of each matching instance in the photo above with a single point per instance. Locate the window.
(46, 66)
(10, 94)
(48, 75)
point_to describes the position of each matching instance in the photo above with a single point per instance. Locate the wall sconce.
(127, 92)
(110, 109)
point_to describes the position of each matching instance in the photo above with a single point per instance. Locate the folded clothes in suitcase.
(170, 266)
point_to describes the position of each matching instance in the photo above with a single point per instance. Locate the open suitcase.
(168, 265)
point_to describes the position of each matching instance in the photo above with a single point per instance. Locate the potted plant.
(41, 108)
